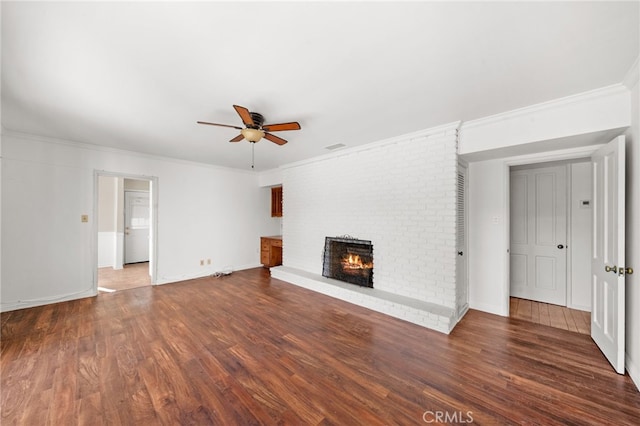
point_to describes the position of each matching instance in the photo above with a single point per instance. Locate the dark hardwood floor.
(248, 349)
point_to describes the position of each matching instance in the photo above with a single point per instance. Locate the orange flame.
(353, 261)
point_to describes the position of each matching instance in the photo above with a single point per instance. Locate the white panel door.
(608, 260)
(137, 218)
(538, 260)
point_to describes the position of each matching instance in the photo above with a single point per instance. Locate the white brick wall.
(400, 194)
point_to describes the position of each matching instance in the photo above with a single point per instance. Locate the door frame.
(153, 199)
(543, 157)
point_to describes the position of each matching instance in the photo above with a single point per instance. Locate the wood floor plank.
(248, 349)
(535, 313)
(513, 305)
(571, 324)
(545, 318)
(582, 321)
(557, 318)
(524, 309)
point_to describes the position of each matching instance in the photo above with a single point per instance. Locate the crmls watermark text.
(457, 417)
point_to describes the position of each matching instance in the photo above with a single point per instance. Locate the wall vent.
(336, 146)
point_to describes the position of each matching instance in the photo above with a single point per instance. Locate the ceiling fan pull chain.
(253, 147)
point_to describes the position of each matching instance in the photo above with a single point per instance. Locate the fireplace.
(348, 259)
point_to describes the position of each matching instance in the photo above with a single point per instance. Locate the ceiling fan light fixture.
(252, 135)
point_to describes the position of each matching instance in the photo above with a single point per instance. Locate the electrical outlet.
(208, 261)
(201, 262)
(84, 218)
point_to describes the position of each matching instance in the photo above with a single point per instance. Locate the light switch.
(84, 218)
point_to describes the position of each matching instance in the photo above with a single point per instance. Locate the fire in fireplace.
(348, 259)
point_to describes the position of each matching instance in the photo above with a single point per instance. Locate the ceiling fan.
(254, 129)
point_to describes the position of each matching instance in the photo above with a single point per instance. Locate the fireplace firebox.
(348, 259)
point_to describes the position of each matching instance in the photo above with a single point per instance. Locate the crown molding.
(449, 129)
(614, 89)
(102, 148)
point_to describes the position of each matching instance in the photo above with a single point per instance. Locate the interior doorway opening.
(126, 231)
(550, 236)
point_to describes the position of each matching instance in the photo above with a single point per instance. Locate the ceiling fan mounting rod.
(258, 120)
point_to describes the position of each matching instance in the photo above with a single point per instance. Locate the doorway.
(538, 229)
(550, 315)
(126, 249)
(550, 235)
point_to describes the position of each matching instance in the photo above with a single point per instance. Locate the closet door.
(462, 281)
(538, 255)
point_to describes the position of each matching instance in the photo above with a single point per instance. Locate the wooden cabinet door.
(276, 202)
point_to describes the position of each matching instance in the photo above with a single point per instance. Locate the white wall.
(400, 195)
(107, 196)
(270, 177)
(579, 250)
(107, 221)
(204, 212)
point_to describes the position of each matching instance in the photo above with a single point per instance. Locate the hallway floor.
(551, 315)
(133, 275)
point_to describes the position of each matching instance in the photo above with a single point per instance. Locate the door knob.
(622, 271)
(460, 253)
(613, 269)
(560, 246)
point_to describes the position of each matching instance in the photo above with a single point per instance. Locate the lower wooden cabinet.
(271, 251)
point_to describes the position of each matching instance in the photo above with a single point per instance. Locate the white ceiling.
(138, 75)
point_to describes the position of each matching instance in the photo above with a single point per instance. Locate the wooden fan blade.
(245, 115)
(216, 124)
(237, 138)
(274, 139)
(294, 125)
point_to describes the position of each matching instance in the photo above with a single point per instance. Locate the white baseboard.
(579, 307)
(205, 273)
(490, 309)
(22, 304)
